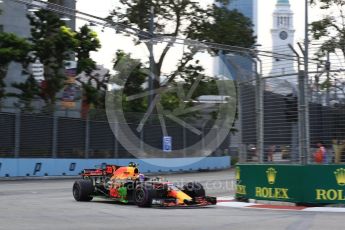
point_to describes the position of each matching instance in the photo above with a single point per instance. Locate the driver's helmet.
(132, 164)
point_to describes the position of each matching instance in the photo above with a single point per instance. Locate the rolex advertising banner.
(291, 183)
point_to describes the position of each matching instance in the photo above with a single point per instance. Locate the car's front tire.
(82, 190)
(143, 195)
(194, 189)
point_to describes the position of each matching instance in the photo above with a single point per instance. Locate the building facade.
(282, 35)
(283, 68)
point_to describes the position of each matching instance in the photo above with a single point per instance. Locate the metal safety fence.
(287, 116)
(25, 134)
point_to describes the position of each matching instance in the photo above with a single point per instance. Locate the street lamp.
(65, 18)
(33, 9)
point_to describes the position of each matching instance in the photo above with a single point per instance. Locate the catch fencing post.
(116, 144)
(184, 141)
(17, 134)
(302, 117)
(242, 149)
(87, 136)
(55, 133)
(259, 112)
(142, 140)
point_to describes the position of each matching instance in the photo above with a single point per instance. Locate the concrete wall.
(72, 167)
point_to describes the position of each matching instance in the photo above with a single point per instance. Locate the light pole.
(306, 41)
(259, 105)
(306, 38)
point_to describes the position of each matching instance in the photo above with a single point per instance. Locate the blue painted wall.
(72, 167)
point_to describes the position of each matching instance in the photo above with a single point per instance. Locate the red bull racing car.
(126, 185)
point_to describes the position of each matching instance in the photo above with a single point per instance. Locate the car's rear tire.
(143, 195)
(82, 190)
(194, 189)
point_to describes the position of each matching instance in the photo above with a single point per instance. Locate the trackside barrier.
(72, 167)
(311, 184)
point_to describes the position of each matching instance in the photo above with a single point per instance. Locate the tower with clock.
(282, 35)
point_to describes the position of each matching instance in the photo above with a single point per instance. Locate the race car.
(126, 185)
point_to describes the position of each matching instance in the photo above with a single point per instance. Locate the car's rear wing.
(106, 170)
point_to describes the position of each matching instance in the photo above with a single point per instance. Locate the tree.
(93, 84)
(94, 87)
(226, 26)
(86, 42)
(12, 48)
(330, 29)
(185, 18)
(52, 44)
(29, 91)
(133, 84)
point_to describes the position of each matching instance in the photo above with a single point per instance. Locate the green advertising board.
(291, 183)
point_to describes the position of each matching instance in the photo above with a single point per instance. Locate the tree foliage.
(29, 91)
(330, 29)
(12, 48)
(186, 19)
(227, 27)
(53, 44)
(93, 84)
(86, 42)
(132, 81)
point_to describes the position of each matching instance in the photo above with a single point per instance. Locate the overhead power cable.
(144, 35)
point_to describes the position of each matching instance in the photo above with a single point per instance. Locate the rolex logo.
(238, 173)
(340, 176)
(271, 175)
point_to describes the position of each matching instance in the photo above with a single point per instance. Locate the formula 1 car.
(126, 185)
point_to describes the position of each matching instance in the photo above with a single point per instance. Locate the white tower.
(282, 35)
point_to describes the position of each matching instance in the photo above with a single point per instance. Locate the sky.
(111, 41)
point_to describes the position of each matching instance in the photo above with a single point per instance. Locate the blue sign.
(167, 144)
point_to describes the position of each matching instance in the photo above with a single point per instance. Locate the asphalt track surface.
(49, 204)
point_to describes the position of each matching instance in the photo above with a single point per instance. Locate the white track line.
(231, 202)
(324, 209)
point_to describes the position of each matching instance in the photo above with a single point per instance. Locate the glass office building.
(225, 63)
(246, 7)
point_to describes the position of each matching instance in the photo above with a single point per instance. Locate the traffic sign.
(167, 144)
